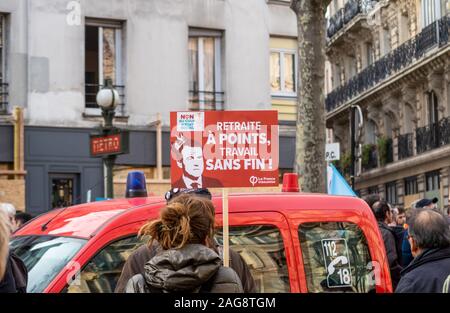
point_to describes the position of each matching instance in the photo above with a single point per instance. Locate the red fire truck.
(292, 242)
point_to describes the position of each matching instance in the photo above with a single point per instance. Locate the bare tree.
(310, 142)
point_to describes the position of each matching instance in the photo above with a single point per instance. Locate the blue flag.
(337, 185)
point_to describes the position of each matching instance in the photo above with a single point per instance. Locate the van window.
(336, 258)
(102, 273)
(262, 248)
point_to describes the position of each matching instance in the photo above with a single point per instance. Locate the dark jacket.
(16, 276)
(426, 273)
(391, 252)
(193, 268)
(136, 261)
(407, 256)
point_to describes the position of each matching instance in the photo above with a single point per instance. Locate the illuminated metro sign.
(103, 145)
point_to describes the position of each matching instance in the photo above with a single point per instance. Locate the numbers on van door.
(336, 258)
(262, 248)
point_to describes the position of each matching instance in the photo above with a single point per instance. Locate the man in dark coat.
(384, 216)
(429, 236)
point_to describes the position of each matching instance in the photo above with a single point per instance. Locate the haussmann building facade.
(161, 55)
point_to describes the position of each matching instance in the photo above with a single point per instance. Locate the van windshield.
(44, 257)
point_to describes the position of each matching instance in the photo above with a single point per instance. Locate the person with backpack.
(184, 263)
(136, 261)
(392, 240)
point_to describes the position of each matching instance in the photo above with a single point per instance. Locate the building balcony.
(3, 98)
(374, 156)
(91, 91)
(206, 100)
(433, 136)
(434, 35)
(405, 146)
(345, 15)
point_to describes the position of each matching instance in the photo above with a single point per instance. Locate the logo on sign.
(253, 180)
(337, 262)
(190, 121)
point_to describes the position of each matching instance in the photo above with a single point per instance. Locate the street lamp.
(107, 99)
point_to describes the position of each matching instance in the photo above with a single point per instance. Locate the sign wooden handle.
(226, 243)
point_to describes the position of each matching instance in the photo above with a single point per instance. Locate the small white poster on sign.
(332, 152)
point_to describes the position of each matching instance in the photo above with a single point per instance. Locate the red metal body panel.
(107, 221)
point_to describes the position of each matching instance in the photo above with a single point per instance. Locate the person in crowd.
(4, 240)
(383, 215)
(407, 256)
(401, 217)
(136, 261)
(22, 218)
(15, 277)
(429, 237)
(185, 263)
(394, 217)
(10, 211)
(371, 199)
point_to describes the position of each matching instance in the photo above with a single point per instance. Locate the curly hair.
(186, 219)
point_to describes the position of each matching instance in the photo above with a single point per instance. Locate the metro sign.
(103, 145)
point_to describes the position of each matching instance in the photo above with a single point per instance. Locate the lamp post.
(108, 99)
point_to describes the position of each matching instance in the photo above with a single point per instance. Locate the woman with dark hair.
(185, 263)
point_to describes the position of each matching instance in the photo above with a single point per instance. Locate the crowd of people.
(417, 243)
(183, 256)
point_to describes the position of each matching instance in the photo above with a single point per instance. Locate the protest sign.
(224, 149)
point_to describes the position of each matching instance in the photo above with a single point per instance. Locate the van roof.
(86, 220)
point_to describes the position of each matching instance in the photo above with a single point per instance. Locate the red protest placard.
(224, 149)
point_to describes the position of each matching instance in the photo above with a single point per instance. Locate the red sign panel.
(224, 149)
(103, 145)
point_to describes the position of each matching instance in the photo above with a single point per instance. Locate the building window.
(386, 41)
(369, 53)
(3, 84)
(431, 11)
(373, 190)
(411, 187)
(432, 181)
(391, 193)
(283, 77)
(432, 102)
(205, 80)
(283, 72)
(103, 59)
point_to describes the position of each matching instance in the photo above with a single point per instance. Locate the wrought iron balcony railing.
(433, 136)
(427, 137)
(435, 34)
(3, 98)
(206, 100)
(91, 91)
(351, 9)
(405, 146)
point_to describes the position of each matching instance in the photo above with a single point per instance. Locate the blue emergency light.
(136, 186)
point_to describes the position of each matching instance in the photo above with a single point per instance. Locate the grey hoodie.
(193, 268)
